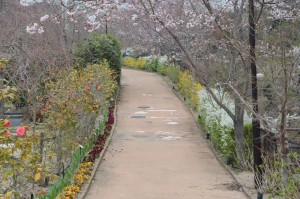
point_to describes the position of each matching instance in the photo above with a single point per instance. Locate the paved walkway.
(157, 151)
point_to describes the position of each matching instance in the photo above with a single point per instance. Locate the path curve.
(157, 151)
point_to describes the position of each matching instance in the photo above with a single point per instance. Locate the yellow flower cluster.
(70, 192)
(80, 177)
(189, 88)
(83, 173)
(135, 63)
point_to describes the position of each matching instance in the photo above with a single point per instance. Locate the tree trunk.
(285, 160)
(239, 133)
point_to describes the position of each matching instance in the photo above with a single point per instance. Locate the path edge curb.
(98, 161)
(171, 85)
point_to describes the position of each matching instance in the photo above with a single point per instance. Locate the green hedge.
(97, 48)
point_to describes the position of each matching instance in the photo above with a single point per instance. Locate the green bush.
(97, 48)
(152, 64)
(219, 126)
(163, 69)
(222, 137)
(173, 73)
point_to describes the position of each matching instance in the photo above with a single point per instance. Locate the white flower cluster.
(26, 3)
(34, 28)
(213, 110)
(280, 9)
(274, 122)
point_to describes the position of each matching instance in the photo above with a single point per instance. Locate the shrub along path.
(157, 151)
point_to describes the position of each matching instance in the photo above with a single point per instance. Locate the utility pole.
(257, 156)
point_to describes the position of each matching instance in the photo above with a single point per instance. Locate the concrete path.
(157, 151)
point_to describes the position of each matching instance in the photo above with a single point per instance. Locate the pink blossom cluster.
(21, 130)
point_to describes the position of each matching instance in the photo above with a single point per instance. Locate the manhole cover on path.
(144, 107)
(138, 116)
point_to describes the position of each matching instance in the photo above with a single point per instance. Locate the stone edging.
(86, 187)
(245, 190)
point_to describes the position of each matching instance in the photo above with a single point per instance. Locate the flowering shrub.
(189, 88)
(153, 64)
(20, 166)
(135, 63)
(86, 167)
(20, 163)
(219, 125)
(76, 99)
(76, 102)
